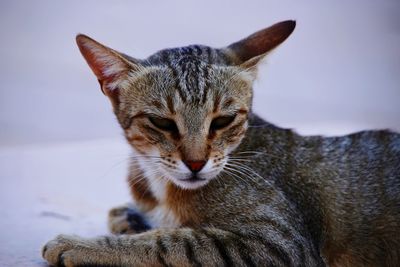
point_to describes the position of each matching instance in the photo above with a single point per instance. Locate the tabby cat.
(215, 185)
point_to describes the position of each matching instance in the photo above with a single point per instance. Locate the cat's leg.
(178, 247)
(127, 219)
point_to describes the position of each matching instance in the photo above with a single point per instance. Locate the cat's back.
(367, 149)
(359, 178)
(366, 163)
(346, 187)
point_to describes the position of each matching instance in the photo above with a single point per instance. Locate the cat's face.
(183, 110)
(185, 134)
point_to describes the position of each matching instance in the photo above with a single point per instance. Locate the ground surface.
(52, 189)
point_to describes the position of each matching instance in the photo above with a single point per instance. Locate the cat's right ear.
(109, 66)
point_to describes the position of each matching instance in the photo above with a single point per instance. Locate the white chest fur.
(162, 217)
(158, 188)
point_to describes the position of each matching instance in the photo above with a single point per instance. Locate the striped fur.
(264, 196)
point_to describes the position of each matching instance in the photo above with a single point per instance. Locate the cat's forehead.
(193, 71)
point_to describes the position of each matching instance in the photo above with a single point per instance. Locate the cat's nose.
(195, 165)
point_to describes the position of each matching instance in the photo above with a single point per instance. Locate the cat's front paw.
(54, 250)
(126, 220)
(69, 251)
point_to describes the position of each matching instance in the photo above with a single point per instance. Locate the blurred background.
(338, 72)
(62, 156)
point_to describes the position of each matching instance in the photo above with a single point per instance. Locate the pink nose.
(195, 165)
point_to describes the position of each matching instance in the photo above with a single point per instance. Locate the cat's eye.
(164, 124)
(221, 122)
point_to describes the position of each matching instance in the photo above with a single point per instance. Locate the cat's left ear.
(109, 66)
(249, 51)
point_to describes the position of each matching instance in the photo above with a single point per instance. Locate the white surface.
(62, 158)
(46, 190)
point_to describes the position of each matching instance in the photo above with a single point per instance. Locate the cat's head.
(185, 109)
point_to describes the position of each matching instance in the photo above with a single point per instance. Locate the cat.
(215, 185)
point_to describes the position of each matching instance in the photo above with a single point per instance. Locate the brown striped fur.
(215, 185)
(180, 202)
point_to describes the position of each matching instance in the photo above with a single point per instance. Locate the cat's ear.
(109, 66)
(250, 50)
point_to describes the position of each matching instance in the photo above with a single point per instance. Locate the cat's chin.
(191, 183)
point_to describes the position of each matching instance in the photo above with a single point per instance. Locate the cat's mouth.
(193, 179)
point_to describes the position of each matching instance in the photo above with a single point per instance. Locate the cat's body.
(238, 191)
(345, 188)
(338, 193)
